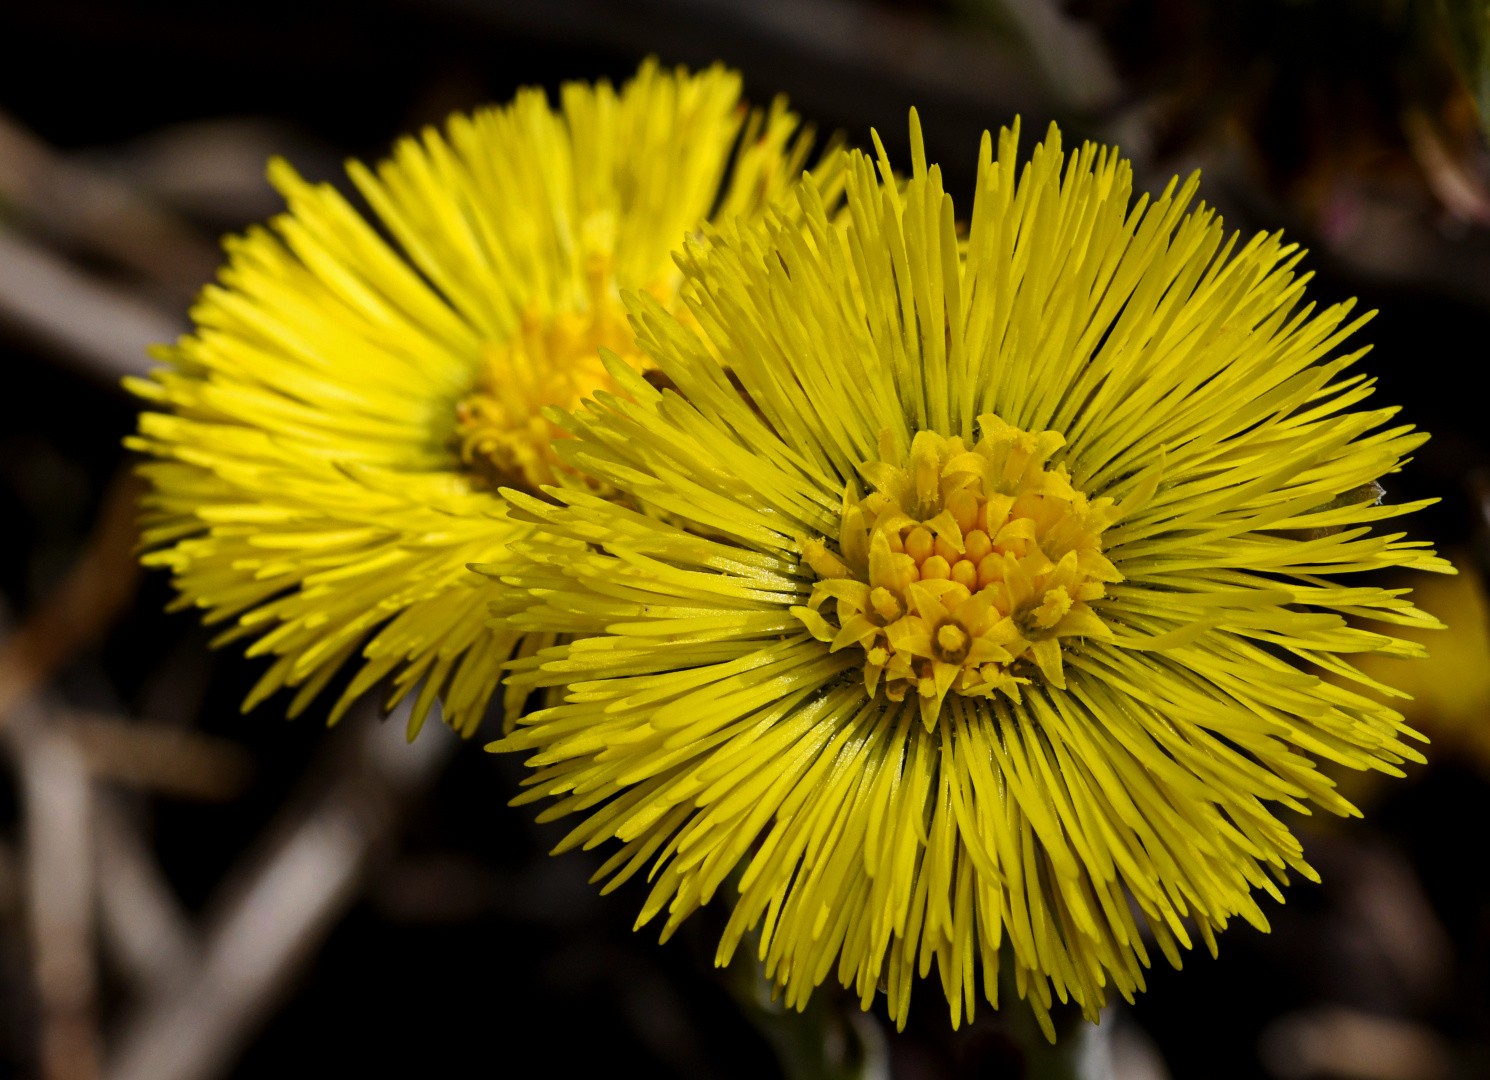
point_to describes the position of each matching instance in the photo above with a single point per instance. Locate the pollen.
(965, 570)
(552, 361)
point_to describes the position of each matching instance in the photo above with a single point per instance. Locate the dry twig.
(80, 611)
(96, 326)
(59, 878)
(143, 926)
(275, 911)
(158, 757)
(75, 205)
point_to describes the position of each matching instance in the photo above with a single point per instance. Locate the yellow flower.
(329, 441)
(958, 590)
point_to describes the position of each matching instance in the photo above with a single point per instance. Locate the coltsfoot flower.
(330, 440)
(967, 593)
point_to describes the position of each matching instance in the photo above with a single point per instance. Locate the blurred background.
(188, 893)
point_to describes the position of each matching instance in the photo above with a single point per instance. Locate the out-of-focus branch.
(1070, 54)
(160, 757)
(1330, 1040)
(57, 789)
(59, 878)
(98, 327)
(66, 205)
(74, 205)
(1461, 192)
(274, 913)
(144, 928)
(81, 609)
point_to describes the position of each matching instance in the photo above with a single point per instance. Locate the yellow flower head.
(330, 439)
(957, 590)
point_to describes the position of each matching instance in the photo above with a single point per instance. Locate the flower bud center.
(960, 564)
(550, 360)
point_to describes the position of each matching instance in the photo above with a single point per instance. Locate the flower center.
(961, 564)
(551, 360)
